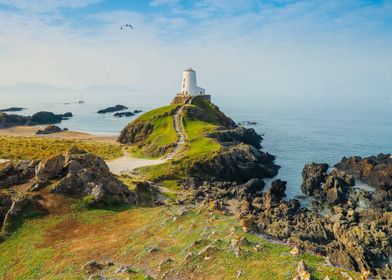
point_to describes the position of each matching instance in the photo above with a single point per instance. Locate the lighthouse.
(189, 84)
(189, 89)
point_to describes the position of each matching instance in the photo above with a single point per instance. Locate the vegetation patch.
(29, 148)
(176, 241)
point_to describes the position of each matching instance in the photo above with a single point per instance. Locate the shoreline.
(29, 131)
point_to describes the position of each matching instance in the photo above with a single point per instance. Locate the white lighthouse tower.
(189, 84)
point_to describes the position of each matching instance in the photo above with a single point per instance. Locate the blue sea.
(296, 132)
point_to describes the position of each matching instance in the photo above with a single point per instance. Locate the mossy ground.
(57, 246)
(38, 148)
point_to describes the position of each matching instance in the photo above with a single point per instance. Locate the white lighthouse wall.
(189, 84)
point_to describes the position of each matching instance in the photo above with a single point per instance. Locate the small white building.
(189, 85)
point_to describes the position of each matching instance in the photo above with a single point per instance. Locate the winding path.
(127, 163)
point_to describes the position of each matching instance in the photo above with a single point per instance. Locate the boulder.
(44, 118)
(83, 174)
(12, 120)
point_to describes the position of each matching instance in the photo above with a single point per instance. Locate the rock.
(137, 111)
(303, 271)
(207, 251)
(247, 123)
(275, 193)
(92, 266)
(36, 119)
(251, 187)
(50, 130)
(51, 168)
(240, 273)
(239, 163)
(112, 109)
(136, 132)
(375, 170)
(124, 114)
(16, 173)
(45, 118)
(12, 109)
(17, 206)
(236, 136)
(313, 176)
(81, 173)
(295, 251)
(12, 120)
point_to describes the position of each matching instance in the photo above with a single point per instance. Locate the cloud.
(284, 49)
(157, 3)
(47, 5)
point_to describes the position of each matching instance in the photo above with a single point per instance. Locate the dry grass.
(39, 148)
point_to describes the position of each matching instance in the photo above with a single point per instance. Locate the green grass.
(198, 148)
(56, 246)
(163, 136)
(39, 148)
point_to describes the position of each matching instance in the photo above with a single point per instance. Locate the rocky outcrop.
(136, 132)
(347, 224)
(375, 170)
(50, 130)
(78, 173)
(123, 114)
(236, 136)
(112, 109)
(16, 173)
(12, 120)
(239, 163)
(36, 119)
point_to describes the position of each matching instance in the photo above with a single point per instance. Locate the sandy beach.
(29, 131)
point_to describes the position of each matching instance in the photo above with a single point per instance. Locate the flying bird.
(127, 25)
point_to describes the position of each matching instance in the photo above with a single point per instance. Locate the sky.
(331, 51)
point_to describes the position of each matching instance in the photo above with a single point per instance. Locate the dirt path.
(127, 163)
(178, 126)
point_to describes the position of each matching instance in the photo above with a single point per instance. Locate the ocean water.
(295, 132)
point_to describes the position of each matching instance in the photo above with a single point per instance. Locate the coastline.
(29, 131)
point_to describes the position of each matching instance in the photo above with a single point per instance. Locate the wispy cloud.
(47, 5)
(286, 48)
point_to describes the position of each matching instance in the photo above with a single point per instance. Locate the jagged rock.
(136, 132)
(16, 173)
(303, 271)
(207, 251)
(313, 176)
(81, 173)
(51, 168)
(275, 193)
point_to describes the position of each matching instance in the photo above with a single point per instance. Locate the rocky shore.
(10, 120)
(350, 226)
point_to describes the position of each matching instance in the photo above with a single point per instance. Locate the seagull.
(126, 25)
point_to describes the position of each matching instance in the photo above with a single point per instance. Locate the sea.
(295, 131)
